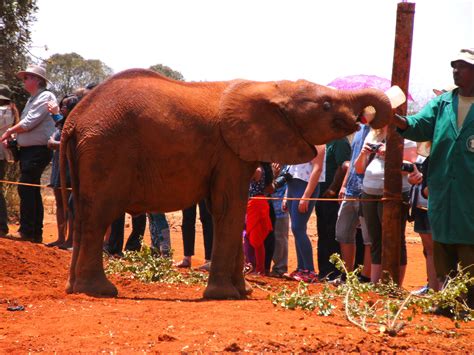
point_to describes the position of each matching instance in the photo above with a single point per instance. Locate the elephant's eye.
(326, 106)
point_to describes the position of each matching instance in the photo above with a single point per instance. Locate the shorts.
(373, 213)
(348, 220)
(421, 221)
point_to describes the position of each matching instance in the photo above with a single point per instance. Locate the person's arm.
(339, 176)
(362, 160)
(342, 190)
(409, 152)
(317, 163)
(342, 153)
(35, 115)
(420, 127)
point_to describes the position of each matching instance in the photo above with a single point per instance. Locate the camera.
(282, 180)
(410, 167)
(374, 146)
(12, 145)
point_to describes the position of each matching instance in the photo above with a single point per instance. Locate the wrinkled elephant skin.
(140, 142)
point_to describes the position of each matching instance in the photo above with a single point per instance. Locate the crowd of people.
(347, 177)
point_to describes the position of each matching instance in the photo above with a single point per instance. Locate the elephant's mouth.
(345, 124)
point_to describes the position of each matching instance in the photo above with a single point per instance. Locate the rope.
(252, 198)
(33, 185)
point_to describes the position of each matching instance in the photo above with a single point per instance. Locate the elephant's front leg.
(226, 278)
(228, 206)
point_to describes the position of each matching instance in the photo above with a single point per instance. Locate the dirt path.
(165, 318)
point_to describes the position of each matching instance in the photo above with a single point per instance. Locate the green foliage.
(167, 71)
(383, 306)
(16, 18)
(146, 266)
(302, 299)
(71, 71)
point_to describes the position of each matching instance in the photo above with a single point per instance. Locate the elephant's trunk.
(378, 100)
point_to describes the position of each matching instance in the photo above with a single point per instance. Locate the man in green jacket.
(448, 121)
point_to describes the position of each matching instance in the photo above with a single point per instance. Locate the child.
(258, 223)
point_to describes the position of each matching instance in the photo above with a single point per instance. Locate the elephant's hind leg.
(89, 276)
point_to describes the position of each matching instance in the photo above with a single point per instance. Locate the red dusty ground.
(172, 318)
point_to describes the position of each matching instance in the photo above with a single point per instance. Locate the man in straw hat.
(32, 134)
(448, 121)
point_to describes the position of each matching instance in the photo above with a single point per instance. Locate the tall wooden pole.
(392, 207)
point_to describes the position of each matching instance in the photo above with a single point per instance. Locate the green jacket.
(451, 169)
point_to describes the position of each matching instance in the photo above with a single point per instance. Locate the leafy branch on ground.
(384, 307)
(148, 266)
(302, 299)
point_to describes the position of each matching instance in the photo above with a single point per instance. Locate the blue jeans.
(160, 232)
(299, 221)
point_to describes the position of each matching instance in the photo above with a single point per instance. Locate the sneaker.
(205, 267)
(185, 263)
(248, 268)
(311, 277)
(276, 274)
(291, 275)
(422, 291)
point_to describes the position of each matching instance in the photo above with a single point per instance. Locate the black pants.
(3, 205)
(270, 240)
(326, 212)
(189, 229)
(33, 161)
(134, 241)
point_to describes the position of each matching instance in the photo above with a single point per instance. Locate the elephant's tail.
(67, 158)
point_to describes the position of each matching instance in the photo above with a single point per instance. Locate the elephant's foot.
(246, 290)
(69, 286)
(221, 291)
(243, 286)
(99, 286)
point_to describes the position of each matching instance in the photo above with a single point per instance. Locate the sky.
(264, 40)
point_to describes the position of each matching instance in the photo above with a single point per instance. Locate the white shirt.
(303, 171)
(373, 182)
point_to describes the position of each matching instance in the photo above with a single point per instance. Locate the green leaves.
(71, 71)
(167, 71)
(302, 299)
(146, 266)
(383, 307)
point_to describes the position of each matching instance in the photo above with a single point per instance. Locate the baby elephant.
(140, 142)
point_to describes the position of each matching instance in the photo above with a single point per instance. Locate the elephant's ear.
(254, 124)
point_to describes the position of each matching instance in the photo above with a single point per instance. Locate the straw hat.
(33, 70)
(5, 92)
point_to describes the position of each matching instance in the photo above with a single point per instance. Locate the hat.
(447, 88)
(5, 92)
(34, 70)
(465, 55)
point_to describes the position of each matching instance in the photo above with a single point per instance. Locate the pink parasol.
(355, 82)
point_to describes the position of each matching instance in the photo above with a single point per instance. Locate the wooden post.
(392, 207)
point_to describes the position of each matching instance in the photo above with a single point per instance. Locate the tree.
(16, 18)
(70, 71)
(167, 71)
